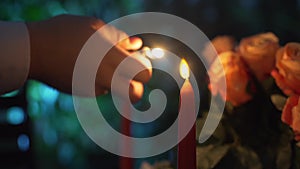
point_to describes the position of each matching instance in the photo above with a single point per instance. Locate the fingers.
(126, 88)
(135, 71)
(132, 64)
(137, 63)
(127, 68)
(132, 43)
(106, 74)
(136, 91)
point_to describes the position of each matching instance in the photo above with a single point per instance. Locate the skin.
(55, 46)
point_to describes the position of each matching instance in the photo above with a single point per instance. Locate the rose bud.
(259, 52)
(291, 115)
(237, 78)
(218, 45)
(287, 75)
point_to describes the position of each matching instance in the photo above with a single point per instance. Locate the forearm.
(48, 50)
(14, 55)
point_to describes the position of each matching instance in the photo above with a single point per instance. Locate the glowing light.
(157, 53)
(48, 94)
(23, 142)
(147, 51)
(15, 115)
(184, 69)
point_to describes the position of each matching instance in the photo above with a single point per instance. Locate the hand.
(55, 46)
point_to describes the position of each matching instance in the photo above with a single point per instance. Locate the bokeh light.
(11, 94)
(157, 53)
(48, 94)
(23, 142)
(15, 115)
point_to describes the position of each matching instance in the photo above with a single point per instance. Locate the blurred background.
(38, 125)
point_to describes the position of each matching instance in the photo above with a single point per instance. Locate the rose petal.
(259, 51)
(286, 115)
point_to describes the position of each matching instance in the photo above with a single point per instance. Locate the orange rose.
(236, 75)
(259, 52)
(218, 45)
(288, 64)
(291, 114)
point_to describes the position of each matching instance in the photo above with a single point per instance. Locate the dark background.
(31, 130)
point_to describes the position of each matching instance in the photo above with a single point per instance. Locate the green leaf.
(209, 156)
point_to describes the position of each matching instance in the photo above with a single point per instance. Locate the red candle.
(187, 147)
(125, 162)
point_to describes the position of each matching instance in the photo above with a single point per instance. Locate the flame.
(184, 69)
(157, 53)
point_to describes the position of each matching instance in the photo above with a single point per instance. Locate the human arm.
(55, 45)
(15, 55)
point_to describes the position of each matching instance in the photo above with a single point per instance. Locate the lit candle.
(187, 147)
(125, 162)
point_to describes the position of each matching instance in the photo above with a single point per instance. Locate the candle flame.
(184, 69)
(156, 53)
